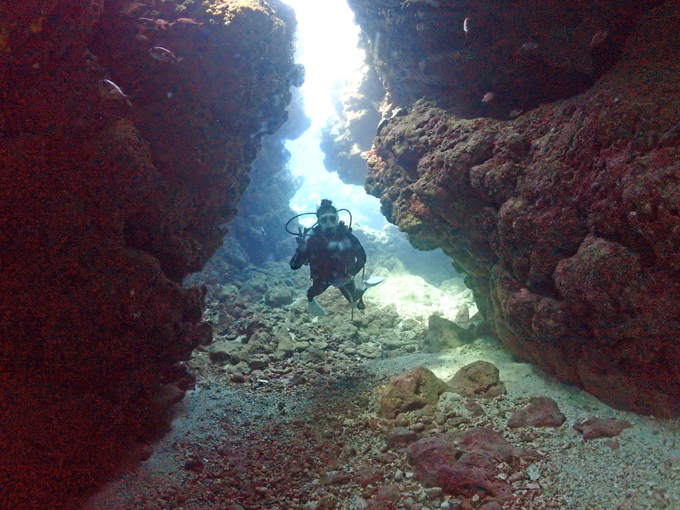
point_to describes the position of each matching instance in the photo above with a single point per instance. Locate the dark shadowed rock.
(258, 361)
(169, 394)
(400, 436)
(595, 427)
(411, 390)
(225, 351)
(445, 334)
(541, 412)
(478, 379)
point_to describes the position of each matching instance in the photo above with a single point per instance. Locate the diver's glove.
(301, 242)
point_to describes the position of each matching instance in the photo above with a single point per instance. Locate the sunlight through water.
(327, 47)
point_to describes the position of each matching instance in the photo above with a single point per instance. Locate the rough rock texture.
(541, 412)
(445, 334)
(400, 436)
(478, 379)
(525, 53)
(107, 202)
(411, 390)
(264, 207)
(595, 427)
(466, 463)
(566, 218)
(349, 135)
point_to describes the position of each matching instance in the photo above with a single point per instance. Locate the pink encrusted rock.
(541, 412)
(385, 499)
(596, 427)
(465, 464)
(563, 220)
(411, 390)
(478, 379)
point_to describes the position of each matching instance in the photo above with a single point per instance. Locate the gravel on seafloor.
(302, 433)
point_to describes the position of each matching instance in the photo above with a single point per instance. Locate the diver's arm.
(300, 258)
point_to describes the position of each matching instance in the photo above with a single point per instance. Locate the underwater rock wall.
(110, 193)
(349, 134)
(548, 173)
(265, 204)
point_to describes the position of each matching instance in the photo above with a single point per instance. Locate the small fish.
(155, 23)
(466, 26)
(515, 113)
(488, 97)
(185, 22)
(164, 55)
(109, 90)
(530, 46)
(599, 37)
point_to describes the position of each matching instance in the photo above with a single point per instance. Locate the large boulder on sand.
(478, 379)
(411, 390)
(466, 463)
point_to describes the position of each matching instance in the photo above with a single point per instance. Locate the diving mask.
(328, 220)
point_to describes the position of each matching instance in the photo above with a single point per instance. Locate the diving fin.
(314, 308)
(373, 281)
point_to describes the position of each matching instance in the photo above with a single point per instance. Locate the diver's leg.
(316, 289)
(312, 306)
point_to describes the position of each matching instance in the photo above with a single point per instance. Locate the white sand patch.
(417, 299)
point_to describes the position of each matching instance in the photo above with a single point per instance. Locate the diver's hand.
(302, 243)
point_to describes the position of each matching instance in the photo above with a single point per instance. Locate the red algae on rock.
(565, 219)
(106, 207)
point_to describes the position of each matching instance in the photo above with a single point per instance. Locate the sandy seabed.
(303, 433)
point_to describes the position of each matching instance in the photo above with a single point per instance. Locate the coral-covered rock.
(595, 427)
(514, 55)
(409, 391)
(564, 218)
(117, 173)
(478, 379)
(541, 412)
(465, 464)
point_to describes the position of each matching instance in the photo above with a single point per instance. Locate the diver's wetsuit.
(334, 258)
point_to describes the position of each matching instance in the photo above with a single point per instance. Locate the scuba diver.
(335, 256)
